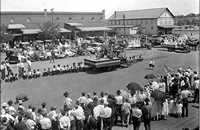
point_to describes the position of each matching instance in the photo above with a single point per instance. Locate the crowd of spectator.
(103, 111)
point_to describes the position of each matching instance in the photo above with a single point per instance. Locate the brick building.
(30, 22)
(148, 21)
(35, 19)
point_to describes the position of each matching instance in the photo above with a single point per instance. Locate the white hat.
(4, 104)
(20, 101)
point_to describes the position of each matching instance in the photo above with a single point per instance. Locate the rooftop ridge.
(141, 9)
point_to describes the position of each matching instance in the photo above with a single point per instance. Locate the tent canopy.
(16, 26)
(30, 31)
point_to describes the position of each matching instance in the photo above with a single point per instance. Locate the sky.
(177, 7)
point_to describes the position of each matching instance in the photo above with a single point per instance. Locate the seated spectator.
(49, 72)
(58, 70)
(38, 73)
(25, 75)
(45, 73)
(54, 70)
(34, 74)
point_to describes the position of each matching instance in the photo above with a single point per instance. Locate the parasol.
(133, 86)
(158, 95)
(22, 97)
(150, 76)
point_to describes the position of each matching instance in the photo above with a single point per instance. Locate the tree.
(49, 31)
(5, 36)
(190, 15)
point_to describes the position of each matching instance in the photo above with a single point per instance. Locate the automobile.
(155, 40)
(59, 54)
(69, 53)
(91, 49)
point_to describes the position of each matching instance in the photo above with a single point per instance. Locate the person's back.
(20, 125)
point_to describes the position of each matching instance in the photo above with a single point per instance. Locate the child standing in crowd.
(179, 109)
(165, 109)
(126, 110)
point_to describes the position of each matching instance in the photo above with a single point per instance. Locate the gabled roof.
(42, 13)
(140, 14)
(88, 29)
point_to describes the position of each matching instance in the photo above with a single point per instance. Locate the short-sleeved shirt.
(126, 107)
(45, 123)
(119, 100)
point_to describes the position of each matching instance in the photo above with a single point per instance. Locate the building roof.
(140, 14)
(120, 26)
(16, 26)
(42, 13)
(63, 30)
(75, 24)
(31, 31)
(89, 29)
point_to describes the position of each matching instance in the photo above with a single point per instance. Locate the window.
(28, 20)
(57, 18)
(92, 18)
(141, 22)
(12, 20)
(118, 22)
(132, 22)
(82, 18)
(101, 18)
(152, 28)
(70, 18)
(136, 22)
(146, 22)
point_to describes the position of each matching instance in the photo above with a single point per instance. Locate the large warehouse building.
(27, 23)
(35, 19)
(148, 21)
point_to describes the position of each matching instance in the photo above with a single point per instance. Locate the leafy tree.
(5, 36)
(49, 31)
(191, 15)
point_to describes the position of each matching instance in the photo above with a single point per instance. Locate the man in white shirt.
(99, 113)
(83, 99)
(78, 112)
(67, 102)
(45, 122)
(107, 122)
(196, 87)
(119, 102)
(64, 121)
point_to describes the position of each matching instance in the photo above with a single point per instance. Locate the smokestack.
(115, 14)
(103, 11)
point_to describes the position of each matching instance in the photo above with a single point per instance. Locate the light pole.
(52, 15)
(124, 24)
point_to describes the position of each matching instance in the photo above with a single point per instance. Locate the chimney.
(115, 14)
(103, 11)
(45, 12)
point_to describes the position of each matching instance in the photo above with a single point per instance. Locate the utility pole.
(52, 15)
(124, 24)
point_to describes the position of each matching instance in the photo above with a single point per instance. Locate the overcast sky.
(176, 6)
